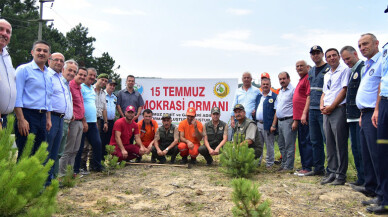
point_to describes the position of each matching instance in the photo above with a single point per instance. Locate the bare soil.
(143, 190)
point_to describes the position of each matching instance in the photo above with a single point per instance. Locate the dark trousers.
(173, 152)
(4, 117)
(354, 129)
(382, 149)
(94, 139)
(317, 137)
(305, 147)
(105, 136)
(37, 122)
(54, 137)
(368, 137)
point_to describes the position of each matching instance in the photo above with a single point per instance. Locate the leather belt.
(283, 119)
(384, 98)
(61, 115)
(40, 111)
(77, 119)
(365, 110)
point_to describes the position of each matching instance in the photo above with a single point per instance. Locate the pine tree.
(237, 158)
(111, 161)
(22, 189)
(246, 198)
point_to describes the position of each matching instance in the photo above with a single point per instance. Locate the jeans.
(54, 137)
(305, 147)
(317, 137)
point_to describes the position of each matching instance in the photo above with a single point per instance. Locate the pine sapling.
(111, 162)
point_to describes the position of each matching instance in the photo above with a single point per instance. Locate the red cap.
(265, 75)
(130, 108)
(191, 111)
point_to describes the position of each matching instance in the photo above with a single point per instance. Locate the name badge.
(171, 131)
(221, 128)
(355, 76)
(270, 100)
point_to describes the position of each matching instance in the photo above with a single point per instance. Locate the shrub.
(111, 161)
(69, 180)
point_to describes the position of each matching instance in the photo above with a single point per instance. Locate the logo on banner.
(221, 89)
(138, 88)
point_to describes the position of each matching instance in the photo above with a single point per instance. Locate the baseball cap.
(238, 106)
(103, 75)
(316, 48)
(265, 75)
(215, 110)
(386, 10)
(130, 108)
(166, 115)
(191, 111)
(111, 81)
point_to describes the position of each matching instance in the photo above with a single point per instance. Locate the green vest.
(215, 137)
(166, 137)
(256, 145)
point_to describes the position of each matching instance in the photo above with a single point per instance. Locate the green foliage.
(237, 158)
(111, 162)
(22, 189)
(246, 198)
(69, 180)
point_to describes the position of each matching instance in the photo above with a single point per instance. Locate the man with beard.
(147, 128)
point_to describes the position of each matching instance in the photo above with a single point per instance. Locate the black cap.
(316, 48)
(111, 81)
(238, 106)
(166, 115)
(386, 10)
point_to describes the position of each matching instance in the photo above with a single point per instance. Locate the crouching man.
(123, 129)
(215, 136)
(147, 128)
(166, 140)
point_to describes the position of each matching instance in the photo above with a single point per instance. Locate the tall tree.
(80, 45)
(105, 64)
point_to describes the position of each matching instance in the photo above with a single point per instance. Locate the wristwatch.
(274, 127)
(166, 149)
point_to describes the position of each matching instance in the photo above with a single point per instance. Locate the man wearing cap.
(123, 129)
(77, 126)
(264, 115)
(92, 134)
(7, 74)
(248, 128)
(166, 140)
(317, 136)
(284, 120)
(215, 136)
(357, 66)
(366, 100)
(111, 101)
(333, 108)
(147, 129)
(190, 135)
(245, 95)
(130, 96)
(301, 102)
(266, 75)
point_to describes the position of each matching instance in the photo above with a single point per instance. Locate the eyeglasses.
(58, 60)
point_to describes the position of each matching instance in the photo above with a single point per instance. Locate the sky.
(218, 38)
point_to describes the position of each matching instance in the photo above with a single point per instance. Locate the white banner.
(174, 96)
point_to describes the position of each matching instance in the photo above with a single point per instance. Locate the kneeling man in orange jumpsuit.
(190, 131)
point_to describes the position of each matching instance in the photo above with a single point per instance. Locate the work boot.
(153, 159)
(209, 161)
(184, 160)
(193, 160)
(138, 159)
(172, 159)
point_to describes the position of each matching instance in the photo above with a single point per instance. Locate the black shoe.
(374, 201)
(193, 160)
(209, 161)
(138, 159)
(184, 160)
(153, 159)
(338, 182)
(328, 179)
(315, 173)
(162, 160)
(277, 162)
(172, 161)
(357, 183)
(362, 190)
(377, 209)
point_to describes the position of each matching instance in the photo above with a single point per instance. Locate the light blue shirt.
(58, 98)
(247, 99)
(7, 83)
(34, 87)
(69, 100)
(111, 106)
(89, 103)
(334, 82)
(384, 74)
(369, 85)
(283, 103)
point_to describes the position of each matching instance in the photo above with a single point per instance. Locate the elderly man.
(190, 131)
(357, 66)
(333, 108)
(129, 96)
(284, 119)
(301, 102)
(264, 115)
(147, 128)
(166, 140)
(7, 74)
(246, 96)
(33, 100)
(215, 136)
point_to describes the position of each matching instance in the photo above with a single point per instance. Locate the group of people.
(67, 106)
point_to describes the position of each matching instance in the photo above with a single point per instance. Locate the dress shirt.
(100, 102)
(7, 83)
(69, 100)
(58, 98)
(334, 82)
(89, 96)
(369, 85)
(384, 73)
(78, 100)
(247, 99)
(111, 101)
(283, 103)
(34, 85)
(260, 108)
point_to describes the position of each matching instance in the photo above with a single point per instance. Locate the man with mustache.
(33, 100)
(7, 74)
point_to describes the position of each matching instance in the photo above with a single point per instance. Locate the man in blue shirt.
(33, 100)
(111, 101)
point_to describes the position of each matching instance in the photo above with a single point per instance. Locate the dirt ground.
(143, 190)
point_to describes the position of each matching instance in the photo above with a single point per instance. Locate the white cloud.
(238, 12)
(233, 41)
(118, 11)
